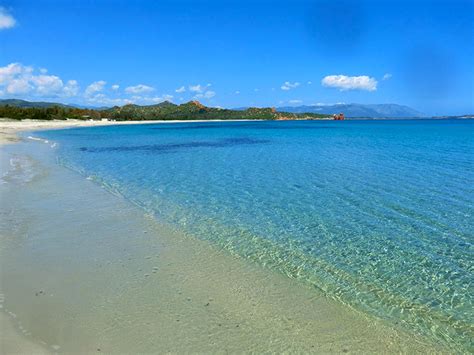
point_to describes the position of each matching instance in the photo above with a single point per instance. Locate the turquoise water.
(376, 214)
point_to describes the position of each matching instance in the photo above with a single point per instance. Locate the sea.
(375, 214)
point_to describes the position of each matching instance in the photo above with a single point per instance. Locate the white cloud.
(206, 95)
(201, 91)
(6, 19)
(295, 102)
(18, 86)
(344, 82)
(162, 98)
(95, 87)
(47, 84)
(309, 82)
(288, 86)
(387, 76)
(150, 100)
(327, 104)
(71, 88)
(16, 78)
(196, 88)
(181, 89)
(102, 99)
(199, 88)
(115, 87)
(237, 92)
(138, 89)
(12, 71)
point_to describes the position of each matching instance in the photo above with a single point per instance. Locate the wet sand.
(85, 271)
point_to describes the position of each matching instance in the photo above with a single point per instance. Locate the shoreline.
(257, 297)
(10, 128)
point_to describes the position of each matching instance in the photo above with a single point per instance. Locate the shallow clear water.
(377, 214)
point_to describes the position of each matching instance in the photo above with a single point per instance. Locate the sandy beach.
(187, 295)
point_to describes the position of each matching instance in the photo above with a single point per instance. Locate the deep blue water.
(377, 214)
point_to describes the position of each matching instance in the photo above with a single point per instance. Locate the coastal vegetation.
(192, 110)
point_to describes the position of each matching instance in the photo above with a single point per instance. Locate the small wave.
(22, 170)
(37, 139)
(42, 140)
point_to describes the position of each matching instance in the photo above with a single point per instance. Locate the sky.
(240, 53)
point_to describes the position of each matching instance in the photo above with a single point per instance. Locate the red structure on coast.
(339, 117)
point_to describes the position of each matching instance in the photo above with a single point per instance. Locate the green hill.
(192, 110)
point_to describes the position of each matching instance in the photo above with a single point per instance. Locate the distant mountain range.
(28, 104)
(43, 104)
(358, 110)
(350, 110)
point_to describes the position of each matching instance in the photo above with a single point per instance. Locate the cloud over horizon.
(295, 101)
(201, 91)
(16, 79)
(139, 89)
(29, 83)
(345, 83)
(205, 95)
(95, 87)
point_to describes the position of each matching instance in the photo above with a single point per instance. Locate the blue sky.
(240, 53)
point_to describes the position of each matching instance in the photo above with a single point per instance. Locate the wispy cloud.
(199, 88)
(295, 102)
(387, 76)
(95, 87)
(71, 88)
(6, 19)
(288, 86)
(103, 99)
(205, 95)
(115, 87)
(202, 91)
(196, 88)
(327, 104)
(181, 89)
(344, 82)
(138, 89)
(151, 99)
